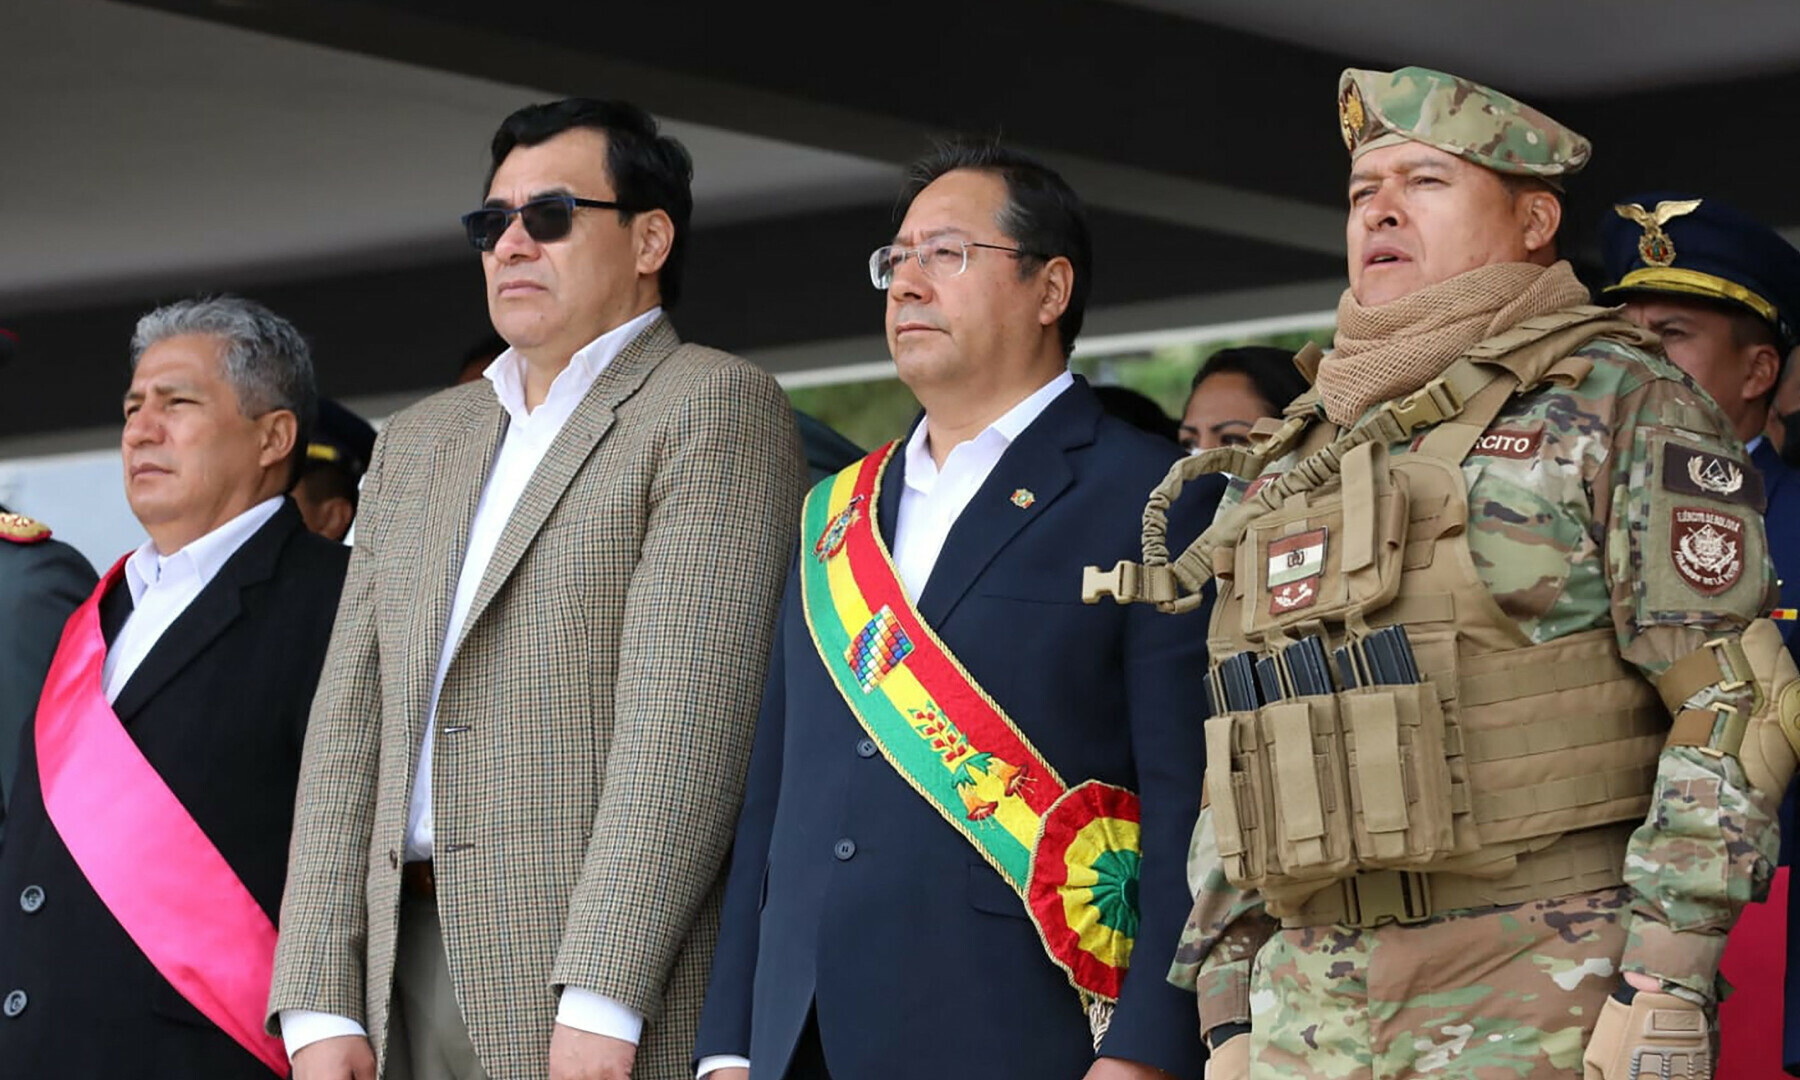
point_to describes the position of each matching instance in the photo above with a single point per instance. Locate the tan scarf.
(1394, 348)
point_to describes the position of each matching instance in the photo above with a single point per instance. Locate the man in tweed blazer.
(528, 747)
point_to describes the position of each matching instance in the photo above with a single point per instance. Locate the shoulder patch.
(19, 529)
(1707, 548)
(1692, 471)
(1518, 445)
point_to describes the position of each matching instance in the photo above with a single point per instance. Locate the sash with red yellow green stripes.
(1071, 853)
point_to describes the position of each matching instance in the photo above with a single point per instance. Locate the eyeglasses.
(546, 218)
(940, 258)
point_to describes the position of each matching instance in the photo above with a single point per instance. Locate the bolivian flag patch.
(1295, 563)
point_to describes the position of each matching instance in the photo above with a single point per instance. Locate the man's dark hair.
(1270, 370)
(1043, 216)
(1139, 410)
(648, 170)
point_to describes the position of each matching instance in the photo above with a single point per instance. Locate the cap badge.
(1655, 247)
(1350, 115)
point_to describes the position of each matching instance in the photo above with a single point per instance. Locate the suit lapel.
(115, 608)
(573, 445)
(893, 483)
(216, 608)
(1035, 469)
(459, 472)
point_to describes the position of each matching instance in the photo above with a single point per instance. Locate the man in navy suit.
(868, 932)
(1723, 290)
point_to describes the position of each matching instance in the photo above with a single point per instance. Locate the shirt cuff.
(598, 1014)
(714, 1062)
(301, 1028)
(1688, 959)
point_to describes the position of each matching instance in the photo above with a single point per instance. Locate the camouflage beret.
(1478, 124)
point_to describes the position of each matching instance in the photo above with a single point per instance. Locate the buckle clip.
(1735, 671)
(1129, 583)
(1402, 896)
(1430, 404)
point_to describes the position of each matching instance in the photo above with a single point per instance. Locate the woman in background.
(1235, 388)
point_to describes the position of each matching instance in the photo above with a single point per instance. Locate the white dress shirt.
(529, 433)
(932, 501)
(162, 587)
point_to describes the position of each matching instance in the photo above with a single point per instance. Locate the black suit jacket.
(849, 894)
(219, 708)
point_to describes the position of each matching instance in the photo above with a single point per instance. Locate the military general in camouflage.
(1496, 734)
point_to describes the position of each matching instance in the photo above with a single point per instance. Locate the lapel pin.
(1023, 498)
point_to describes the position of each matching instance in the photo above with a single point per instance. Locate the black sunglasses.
(546, 218)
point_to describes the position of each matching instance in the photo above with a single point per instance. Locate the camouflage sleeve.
(1687, 561)
(1223, 934)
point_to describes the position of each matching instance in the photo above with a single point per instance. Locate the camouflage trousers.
(1510, 992)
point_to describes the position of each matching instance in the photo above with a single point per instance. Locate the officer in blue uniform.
(331, 476)
(1723, 290)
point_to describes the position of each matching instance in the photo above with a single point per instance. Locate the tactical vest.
(1509, 772)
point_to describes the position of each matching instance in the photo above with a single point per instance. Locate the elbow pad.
(1762, 731)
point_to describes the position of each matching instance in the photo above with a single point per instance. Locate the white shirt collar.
(203, 557)
(1756, 441)
(919, 462)
(507, 372)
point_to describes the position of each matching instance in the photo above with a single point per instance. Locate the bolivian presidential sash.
(156, 872)
(1071, 854)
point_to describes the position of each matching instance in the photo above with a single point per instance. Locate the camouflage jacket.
(1576, 525)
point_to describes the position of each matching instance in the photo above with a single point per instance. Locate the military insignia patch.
(1259, 483)
(1023, 498)
(1692, 471)
(1295, 563)
(831, 541)
(19, 529)
(1656, 247)
(1513, 445)
(878, 649)
(1707, 548)
(1351, 115)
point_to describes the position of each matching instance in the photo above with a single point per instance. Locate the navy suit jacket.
(1781, 491)
(850, 895)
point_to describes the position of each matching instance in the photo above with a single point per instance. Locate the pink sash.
(140, 850)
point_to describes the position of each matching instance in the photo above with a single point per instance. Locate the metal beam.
(735, 106)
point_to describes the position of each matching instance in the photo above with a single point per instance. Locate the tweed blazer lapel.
(573, 445)
(459, 471)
